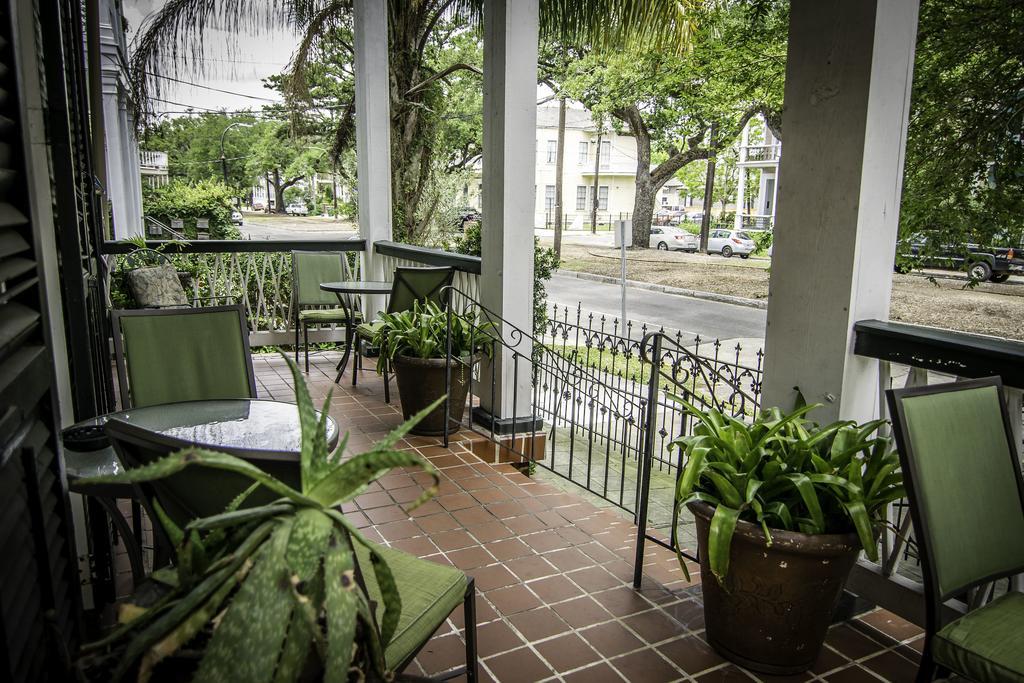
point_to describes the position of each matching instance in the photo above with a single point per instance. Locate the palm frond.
(171, 41)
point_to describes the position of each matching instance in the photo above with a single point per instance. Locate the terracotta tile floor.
(553, 572)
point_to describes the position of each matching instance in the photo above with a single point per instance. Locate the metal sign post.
(623, 239)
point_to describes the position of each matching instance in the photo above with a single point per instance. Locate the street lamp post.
(223, 157)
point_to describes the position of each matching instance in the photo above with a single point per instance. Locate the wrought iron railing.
(255, 273)
(589, 385)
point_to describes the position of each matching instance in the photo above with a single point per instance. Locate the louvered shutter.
(38, 589)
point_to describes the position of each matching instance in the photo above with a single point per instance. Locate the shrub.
(545, 261)
(190, 202)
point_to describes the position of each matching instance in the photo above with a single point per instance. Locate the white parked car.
(666, 237)
(297, 209)
(729, 242)
(236, 217)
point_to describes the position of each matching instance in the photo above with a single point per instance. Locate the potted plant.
(424, 345)
(264, 593)
(782, 508)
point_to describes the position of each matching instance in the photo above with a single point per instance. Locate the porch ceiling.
(554, 571)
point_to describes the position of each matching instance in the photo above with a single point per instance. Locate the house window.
(581, 196)
(549, 197)
(584, 153)
(606, 154)
(552, 151)
(602, 198)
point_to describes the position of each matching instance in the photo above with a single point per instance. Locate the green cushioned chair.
(963, 480)
(410, 285)
(429, 592)
(309, 270)
(182, 354)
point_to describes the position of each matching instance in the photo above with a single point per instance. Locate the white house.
(615, 170)
(760, 150)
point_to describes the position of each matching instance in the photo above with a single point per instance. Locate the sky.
(236, 62)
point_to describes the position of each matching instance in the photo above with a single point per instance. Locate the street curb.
(665, 289)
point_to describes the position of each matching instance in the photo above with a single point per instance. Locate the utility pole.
(334, 187)
(559, 165)
(709, 189)
(597, 184)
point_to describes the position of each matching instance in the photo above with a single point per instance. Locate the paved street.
(259, 226)
(709, 319)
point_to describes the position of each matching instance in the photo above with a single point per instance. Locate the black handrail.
(955, 353)
(236, 246)
(431, 257)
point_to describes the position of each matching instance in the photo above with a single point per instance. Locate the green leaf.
(170, 619)
(247, 643)
(726, 491)
(389, 595)
(174, 533)
(227, 519)
(188, 628)
(348, 479)
(308, 542)
(303, 630)
(313, 465)
(805, 487)
(720, 533)
(341, 602)
(862, 523)
(176, 462)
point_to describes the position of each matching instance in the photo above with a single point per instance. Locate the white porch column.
(510, 128)
(848, 82)
(373, 136)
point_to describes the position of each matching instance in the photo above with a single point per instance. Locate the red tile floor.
(553, 572)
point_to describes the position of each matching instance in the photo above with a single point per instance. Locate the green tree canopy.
(964, 176)
(687, 106)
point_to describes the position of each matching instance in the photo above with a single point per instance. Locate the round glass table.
(244, 427)
(352, 287)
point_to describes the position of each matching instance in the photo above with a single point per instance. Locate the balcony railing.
(153, 161)
(255, 273)
(467, 268)
(750, 153)
(911, 355)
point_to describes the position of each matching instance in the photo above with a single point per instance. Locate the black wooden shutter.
(38, 575)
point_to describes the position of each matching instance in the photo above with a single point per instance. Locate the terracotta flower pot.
(421, 382)
(777, 602)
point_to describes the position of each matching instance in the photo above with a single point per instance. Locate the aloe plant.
(783, 471)
(270, 593)
(423, 332)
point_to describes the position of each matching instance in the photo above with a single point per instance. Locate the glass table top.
(239, 425)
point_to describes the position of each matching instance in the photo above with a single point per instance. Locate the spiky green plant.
(783, 471)
(269, 593)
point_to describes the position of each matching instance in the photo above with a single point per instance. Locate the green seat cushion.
(429, 592)
(986, 644)
(368, 330)
(326, 315)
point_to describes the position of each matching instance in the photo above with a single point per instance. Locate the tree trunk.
(643, 202)
(643, 208)
(559, 165)
(597, 184)
(709, 191)
(278, 192)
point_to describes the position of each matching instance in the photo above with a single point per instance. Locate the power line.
(208, 87)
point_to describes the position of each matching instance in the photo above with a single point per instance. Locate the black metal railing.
(589, 389)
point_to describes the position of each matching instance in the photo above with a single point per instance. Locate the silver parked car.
(297, 209)
(729, 242)
(236, 217)
(666, 237)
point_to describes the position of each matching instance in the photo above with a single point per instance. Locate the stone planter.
(421, 382)
(777, 602)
